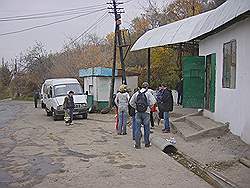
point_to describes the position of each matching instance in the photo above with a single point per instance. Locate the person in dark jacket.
(165, 105)
(36, 96)
(68, 106)
(179, 89)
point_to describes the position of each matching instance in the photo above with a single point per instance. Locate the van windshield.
(62, 89)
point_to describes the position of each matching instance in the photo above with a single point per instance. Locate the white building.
(232, 102)
(224, 41)
(97, 82)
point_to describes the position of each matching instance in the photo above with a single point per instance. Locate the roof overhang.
(196, 27)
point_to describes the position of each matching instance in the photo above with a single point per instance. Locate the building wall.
(90, 84)
(232, 105)
(101, 86)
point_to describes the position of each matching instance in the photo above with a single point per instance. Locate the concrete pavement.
(39, 152)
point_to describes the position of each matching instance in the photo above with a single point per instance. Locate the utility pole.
(117, 12)
(113, 72)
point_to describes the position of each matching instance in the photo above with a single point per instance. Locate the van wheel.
(85, 116)
(43, 105)
(55, 117)
(49, 113)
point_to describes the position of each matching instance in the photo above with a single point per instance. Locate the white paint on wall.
(232, 105)
(101, 86)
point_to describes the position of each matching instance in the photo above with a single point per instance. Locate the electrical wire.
(99, 20)
(51, 23)
(45, 16)
(53, 12)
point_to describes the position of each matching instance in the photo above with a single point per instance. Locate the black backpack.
(141, 102)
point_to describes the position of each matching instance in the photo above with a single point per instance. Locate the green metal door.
(212, 82)
(193, 81)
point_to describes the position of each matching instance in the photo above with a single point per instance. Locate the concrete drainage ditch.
(212, 177)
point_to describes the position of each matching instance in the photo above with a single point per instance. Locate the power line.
(44, 16)
(99, 20)
(53, 12)
(51, 23)
(128, 1)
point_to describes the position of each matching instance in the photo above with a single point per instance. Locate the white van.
(53, 93)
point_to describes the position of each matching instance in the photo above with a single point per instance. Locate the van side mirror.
(86, 92)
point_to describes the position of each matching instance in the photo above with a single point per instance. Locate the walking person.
(142, 101)
(68, 106)
(179, 89)
(121, 100)
(165, 105)
(36, 97)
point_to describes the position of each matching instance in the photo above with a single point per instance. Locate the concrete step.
(184, 129)
(203, 122)
(195, 127)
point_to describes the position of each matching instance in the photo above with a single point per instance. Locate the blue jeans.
(123, 116)
(133, 126)
(142, 118)
(166, 120)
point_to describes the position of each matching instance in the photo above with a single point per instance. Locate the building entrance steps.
(194, 125)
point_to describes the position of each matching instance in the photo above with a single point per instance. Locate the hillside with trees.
(37, 64)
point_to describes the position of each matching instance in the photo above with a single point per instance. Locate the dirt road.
(39, 152)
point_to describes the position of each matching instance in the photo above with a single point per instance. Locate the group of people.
(140, 106)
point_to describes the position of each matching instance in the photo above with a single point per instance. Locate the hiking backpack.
(141, 102)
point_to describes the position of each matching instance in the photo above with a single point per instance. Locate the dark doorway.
(210, 82)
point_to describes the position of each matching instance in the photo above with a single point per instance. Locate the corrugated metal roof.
(193, 27)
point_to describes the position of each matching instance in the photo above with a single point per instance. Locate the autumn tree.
(5, 78)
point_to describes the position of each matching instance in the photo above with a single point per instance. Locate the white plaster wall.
(104, 84)
(132, 82)
(103, 88)
(232, 105)
(90, 81)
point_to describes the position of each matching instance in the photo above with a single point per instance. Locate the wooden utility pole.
(113, 72)
(117, 38)
(117, 12)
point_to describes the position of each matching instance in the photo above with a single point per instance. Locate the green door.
(213, 78)
(193, 81)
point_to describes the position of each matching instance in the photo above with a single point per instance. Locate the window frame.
(229, 64)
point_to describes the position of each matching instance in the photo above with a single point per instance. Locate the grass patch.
(5, 94)
(24, 98)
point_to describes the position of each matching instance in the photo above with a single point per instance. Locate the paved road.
(36, 151)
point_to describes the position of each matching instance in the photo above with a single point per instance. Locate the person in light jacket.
(121, 100)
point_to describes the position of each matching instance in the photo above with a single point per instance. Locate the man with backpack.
(142, 101)
(165, 105)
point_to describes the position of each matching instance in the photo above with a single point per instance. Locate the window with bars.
(229, 65)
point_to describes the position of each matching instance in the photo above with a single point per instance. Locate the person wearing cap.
(142, 101)
(121, 100)
(68, 106)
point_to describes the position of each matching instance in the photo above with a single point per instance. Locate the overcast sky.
(54, 36)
